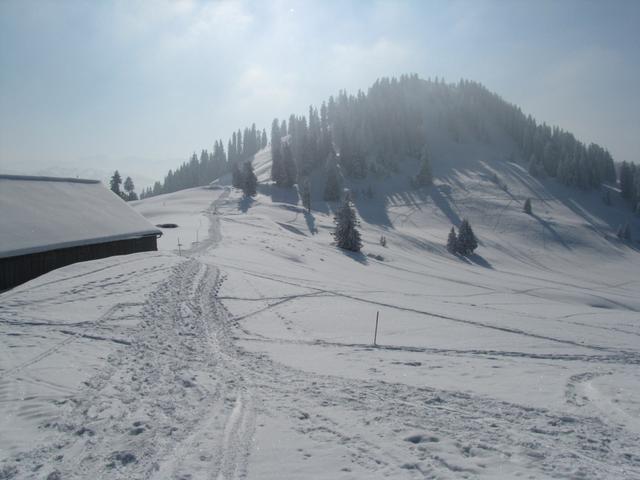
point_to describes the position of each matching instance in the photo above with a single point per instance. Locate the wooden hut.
(47, 223)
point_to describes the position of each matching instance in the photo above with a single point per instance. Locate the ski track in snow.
(152, 398)
(181, 399)
(634, 356)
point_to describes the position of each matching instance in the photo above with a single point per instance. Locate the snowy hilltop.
(244, 347)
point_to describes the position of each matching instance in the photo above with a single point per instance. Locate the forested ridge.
(208, 166)
(371, 133)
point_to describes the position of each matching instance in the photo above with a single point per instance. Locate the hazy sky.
(141, 85)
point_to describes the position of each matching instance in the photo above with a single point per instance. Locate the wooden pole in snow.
(179, 252)
(375, 334)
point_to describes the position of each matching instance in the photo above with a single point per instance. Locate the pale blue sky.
(140, 85)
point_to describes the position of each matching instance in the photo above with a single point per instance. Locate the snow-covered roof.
(46, 213)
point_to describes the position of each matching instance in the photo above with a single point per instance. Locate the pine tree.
(249, 180)
(527, 206)
(278, 173)
(129, 188)
(626, 181)
(332, 187)
(467, 241)
(452, 241)
(288, 165)
(239, 152)
(536, 167)
(425, 175)
(346, 234)
(369, 192)
(237, 178)
(253, 140)
(305, 194)
(115, 182)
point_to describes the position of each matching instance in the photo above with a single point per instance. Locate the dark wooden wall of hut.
(20, 269)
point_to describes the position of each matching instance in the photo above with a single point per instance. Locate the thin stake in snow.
(179, 245)
(375, 333)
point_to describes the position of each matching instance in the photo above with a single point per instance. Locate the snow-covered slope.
(509, 363)
(58, 332)
(252, 354)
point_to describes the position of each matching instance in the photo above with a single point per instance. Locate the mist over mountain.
(372, 133)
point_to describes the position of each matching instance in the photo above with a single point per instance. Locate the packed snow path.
(181, 396)
(172, 400)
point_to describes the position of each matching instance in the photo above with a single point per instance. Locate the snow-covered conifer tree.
(425, 175)
(467, 241)
(452, 241)
(278, 174)
(249, 180)
(626, 180)
(236, 176)
(305, 194)
(129, 188)
(346, 234)
(536, 167)
(263, 139)
(288, 166)
(115, 182)
(332, 187)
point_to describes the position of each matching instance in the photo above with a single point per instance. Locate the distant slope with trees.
(372, 133)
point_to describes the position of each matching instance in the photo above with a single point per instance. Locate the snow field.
(58, 332)
(525, 329)
(252, 355)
